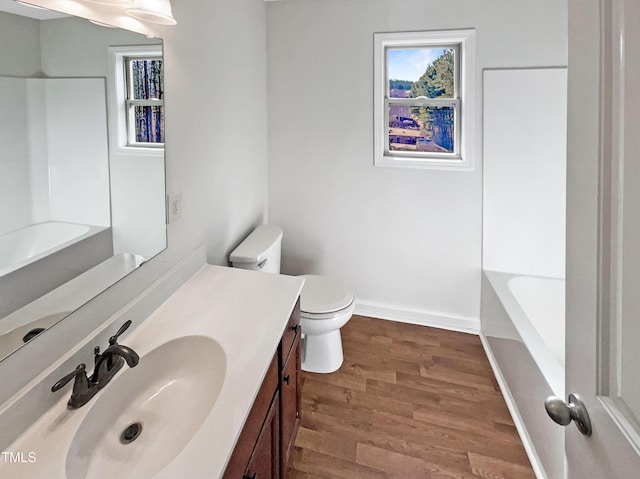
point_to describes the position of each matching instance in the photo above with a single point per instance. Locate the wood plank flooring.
(408, 402)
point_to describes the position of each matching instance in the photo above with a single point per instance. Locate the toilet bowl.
(325, 305)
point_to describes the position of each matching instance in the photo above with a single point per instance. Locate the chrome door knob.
(563, 413)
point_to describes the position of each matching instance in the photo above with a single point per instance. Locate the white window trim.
(465, 40)
(118, 137)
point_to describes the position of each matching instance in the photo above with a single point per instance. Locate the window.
(144, 105)
(423, 106)
(136, 100)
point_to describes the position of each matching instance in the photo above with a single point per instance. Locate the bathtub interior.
(543, 336)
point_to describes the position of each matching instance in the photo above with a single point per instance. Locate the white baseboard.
(416, 316)
(536, 464)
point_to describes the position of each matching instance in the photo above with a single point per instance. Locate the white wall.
(407, 241)
(15, 187)
(525, 161)
(77, 150)
(19, 56)
(20, 46)
(54, 162)
(217, 122)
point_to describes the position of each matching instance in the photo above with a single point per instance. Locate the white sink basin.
(164, 399)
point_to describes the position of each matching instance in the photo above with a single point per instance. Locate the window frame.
(463, 43)
(120, 126)
(131, 103)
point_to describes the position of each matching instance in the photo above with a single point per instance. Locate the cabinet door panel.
(245, 445)
(265, 459)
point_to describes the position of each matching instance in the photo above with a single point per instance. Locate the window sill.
(153, 152)
(424, 163)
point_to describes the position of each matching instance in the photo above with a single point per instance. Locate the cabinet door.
(290, 390)
(261, 409)
(265, 459)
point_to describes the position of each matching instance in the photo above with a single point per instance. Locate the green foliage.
(436, 82)
(400, 84)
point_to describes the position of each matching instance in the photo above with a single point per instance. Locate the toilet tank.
(260, 251)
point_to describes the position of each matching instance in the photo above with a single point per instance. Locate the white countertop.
(246, 312)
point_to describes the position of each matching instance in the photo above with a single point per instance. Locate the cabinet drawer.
(292, 330)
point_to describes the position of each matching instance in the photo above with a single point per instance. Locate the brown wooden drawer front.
(249, 435)
(290, 333)
(290, 400)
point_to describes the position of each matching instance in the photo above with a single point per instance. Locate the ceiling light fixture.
(30, 5)
(101, 24)
(153, 11)
(120, 3)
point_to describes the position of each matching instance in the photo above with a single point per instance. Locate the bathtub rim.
(92, 230)
(553, 372)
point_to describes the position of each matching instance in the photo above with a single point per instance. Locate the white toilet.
(325, 305)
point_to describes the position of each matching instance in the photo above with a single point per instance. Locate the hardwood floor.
(408, 402)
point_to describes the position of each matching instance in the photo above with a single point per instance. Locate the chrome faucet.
(106, 366)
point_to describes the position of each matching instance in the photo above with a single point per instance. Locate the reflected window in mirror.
(137, 89)
(145, 104)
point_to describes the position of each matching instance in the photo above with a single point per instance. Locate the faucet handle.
(114, 339)
(77, 373)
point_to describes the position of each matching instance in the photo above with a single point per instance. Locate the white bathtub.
(26, 245)
(542, 301)
(523, 329)
(46, 255)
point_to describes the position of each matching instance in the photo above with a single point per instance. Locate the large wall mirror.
(82, 172)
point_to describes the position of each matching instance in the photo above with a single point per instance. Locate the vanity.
(216, 392)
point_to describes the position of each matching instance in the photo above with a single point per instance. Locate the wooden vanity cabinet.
(264, 445)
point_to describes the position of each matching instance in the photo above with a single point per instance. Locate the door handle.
(563, 413)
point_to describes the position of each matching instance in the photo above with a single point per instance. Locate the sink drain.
(131, 433)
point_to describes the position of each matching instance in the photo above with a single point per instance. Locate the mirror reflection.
(82, 177)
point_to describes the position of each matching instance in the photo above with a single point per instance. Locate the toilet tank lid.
(254, 246)
(323, 295)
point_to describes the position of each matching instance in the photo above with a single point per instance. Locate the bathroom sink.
(147, 415)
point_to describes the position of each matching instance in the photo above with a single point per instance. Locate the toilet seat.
(335, 314)
(323, 298)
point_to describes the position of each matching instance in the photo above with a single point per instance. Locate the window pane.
(149, 124)
(422, 128)
(146, 79)
(424, 71)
